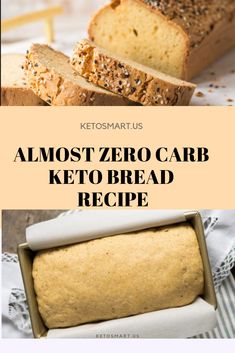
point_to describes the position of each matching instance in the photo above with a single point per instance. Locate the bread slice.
(132, 80)
(51, 77)
(179, 38)
(14, 90)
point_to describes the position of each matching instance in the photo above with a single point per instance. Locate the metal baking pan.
(26, 256)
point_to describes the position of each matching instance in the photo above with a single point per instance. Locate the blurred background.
(69, 27)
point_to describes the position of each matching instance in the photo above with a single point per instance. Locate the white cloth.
(226, 311)
(219, 228)
(15, 315)
(220, 234)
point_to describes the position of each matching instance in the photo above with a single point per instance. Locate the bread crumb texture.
(163, 34)
(14, 88)
(118, 276)
(132, 80)
(50, 76)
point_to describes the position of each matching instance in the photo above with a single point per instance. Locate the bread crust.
(119, 76)
(14, 90)
(115, 3)
(196, 18)
(57, 90)
(197, 21)
(17, 96)
(118, 276)
(213, 47)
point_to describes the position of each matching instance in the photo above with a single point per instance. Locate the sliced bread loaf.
(14, 89)
(178, 37)
(134, 81)
(51, 77)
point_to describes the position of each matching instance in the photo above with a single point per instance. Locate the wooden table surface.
(14, 223)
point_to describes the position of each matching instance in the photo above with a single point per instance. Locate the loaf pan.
(26, 256)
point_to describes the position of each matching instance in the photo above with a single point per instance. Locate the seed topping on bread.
(127, 78)
(190, 14)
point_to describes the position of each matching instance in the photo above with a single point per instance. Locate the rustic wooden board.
(14, 223)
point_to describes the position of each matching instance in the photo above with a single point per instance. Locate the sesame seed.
(196, 16)
(133, 89)
(200, 94)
